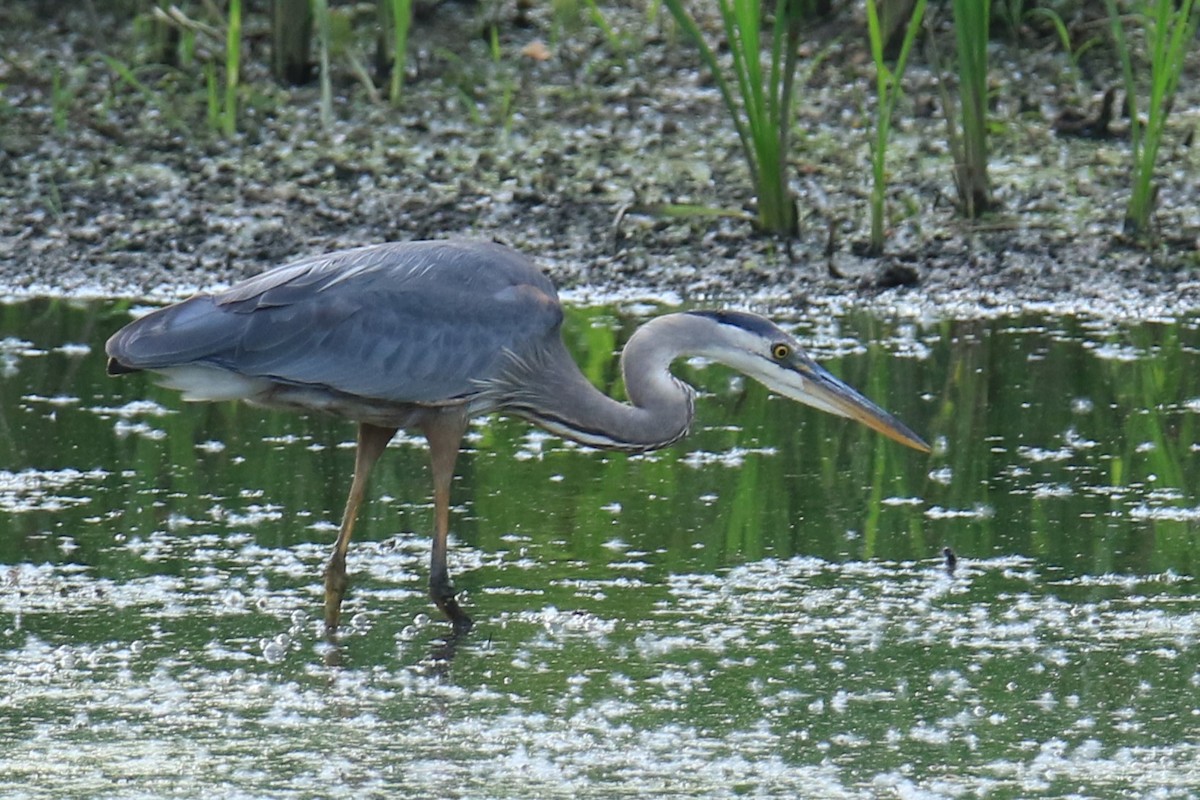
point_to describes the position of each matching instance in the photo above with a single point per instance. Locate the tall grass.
(400, 19)
(291, 40)
(971, 25)
(887, 91)
(760, 98)
(212, 96)
(324, 34)
(233, 58)
(1170, 28)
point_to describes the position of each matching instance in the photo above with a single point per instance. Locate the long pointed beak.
(810, 383)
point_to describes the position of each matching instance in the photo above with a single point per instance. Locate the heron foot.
(458, 618)
(444, 598)
(335, 589)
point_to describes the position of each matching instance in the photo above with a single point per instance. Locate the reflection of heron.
(428, 335)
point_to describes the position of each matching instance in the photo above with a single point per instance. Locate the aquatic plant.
(291, 40)
(169, 36)
(399, 18)
(1073, 51)
(324, 35)
(233, 47)
(971, 24)
(760, 100)
(212, 96)
(505, 109)
(125, 75)
(62, 98)
(887, 91)
(1169, 28)
(1014, 13)
(568, 17)
(616, 42)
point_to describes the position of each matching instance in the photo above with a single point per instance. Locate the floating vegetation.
(38, 490)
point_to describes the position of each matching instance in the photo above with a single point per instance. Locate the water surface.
(763, 609)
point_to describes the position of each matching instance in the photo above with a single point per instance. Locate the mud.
(107, 190)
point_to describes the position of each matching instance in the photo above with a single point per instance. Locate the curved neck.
(660, 409)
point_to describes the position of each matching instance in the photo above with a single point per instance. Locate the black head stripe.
(740, 319)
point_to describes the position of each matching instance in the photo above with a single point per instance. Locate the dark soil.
(107, 188)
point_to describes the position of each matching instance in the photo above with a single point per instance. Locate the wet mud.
(106, 190)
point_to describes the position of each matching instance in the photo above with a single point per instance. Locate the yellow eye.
(780, 351)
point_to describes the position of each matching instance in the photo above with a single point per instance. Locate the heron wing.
(418, 322)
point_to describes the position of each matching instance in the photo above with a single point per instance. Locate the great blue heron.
(427, 335)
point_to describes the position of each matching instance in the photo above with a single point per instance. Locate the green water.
(762, 610)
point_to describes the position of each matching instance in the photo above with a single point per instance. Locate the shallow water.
(762, 610)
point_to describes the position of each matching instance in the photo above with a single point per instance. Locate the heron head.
(758, 348)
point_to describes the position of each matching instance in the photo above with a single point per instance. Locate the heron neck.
(661, 406)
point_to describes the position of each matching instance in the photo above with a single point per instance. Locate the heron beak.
(810, 383)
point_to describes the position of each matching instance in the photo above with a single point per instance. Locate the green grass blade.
(758, 97)
(1123, 52)
(233, 46)
(1169, 31)
(740, 34)
(324, 33)
(689, 26)
(401, 19)
(888, 90)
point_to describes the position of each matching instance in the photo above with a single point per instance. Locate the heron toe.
(444, 598)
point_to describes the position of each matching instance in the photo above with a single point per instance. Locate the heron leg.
(372, 440)
(444, 434)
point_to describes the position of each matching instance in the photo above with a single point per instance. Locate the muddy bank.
(120, 192)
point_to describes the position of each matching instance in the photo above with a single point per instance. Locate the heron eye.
(780, 351)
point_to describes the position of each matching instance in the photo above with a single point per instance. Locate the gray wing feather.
(420, 322)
